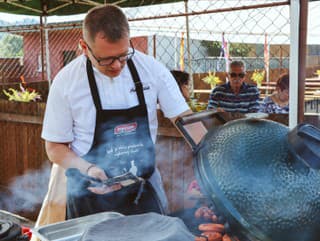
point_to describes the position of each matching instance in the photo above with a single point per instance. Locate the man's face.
(108, 57)
(236, 76)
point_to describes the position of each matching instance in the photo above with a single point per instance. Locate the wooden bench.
(267, 88)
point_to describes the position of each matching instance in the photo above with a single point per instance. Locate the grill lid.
(247, 169)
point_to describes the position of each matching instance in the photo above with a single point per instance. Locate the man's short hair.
(108, 20)
(238, 63)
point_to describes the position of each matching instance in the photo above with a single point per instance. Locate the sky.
(13, 18)
(206, 31)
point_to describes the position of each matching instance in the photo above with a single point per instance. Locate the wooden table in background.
(314, 79)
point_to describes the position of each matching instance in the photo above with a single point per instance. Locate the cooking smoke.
(25, 193)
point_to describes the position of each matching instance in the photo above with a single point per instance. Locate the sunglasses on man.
(234, 75)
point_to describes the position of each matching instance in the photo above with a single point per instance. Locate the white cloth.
(70, 113)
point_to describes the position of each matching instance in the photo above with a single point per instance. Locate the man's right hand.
(219, 109)
(99, 173)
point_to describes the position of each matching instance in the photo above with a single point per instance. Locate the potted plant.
(22, 100)
(195, 105)
(22, 95)
(212, 79)
(258, 77)
(318, 73)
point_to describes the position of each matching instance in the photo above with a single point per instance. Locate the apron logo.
(125, 129)
(133, 89)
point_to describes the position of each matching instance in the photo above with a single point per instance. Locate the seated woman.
(278, 102)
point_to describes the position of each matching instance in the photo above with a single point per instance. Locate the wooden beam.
(303, 25)
(21, 118)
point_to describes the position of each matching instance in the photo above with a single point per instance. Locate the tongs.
(124, 180)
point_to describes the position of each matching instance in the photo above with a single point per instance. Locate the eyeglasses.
(110, 60)
(234, 75)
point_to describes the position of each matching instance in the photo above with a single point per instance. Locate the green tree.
(213, 48)
(11, 46)
(240, 49)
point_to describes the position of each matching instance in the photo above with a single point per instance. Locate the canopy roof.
(66, 7)
(242, 26)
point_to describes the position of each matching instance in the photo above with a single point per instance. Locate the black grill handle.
(304, 143)
(309, 131)
(200, 116)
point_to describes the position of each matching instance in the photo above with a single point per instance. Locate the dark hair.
(283, 82)
(238, 63)
(109, 20)
(181, 77)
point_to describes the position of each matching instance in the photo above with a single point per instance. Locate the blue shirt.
(268, 106)
(245, 101)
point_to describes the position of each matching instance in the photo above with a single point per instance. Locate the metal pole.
(188, 46)
(42, 49)
(154, 46)
(294, 62)
(48, 68)
(280, 62)
(175, 51)
(298, 18)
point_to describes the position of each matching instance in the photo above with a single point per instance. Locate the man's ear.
(83, 46)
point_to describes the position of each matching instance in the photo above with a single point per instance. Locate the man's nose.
(116, 64)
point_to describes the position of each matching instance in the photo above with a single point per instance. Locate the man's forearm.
(173, 120)
(62, 155)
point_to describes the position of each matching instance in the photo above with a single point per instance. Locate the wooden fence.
(21, 151)
(20, 145)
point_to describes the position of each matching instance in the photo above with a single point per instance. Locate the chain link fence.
(196, 36)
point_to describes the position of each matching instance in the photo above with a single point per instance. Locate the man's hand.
(99, 173)
(219, 109)
(104, 189)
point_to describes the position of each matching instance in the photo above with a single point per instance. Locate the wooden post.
(303, 25)
(42, 49)
(154, 46)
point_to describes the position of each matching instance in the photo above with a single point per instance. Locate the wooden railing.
(312, 88)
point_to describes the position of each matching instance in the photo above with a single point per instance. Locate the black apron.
(122, 143)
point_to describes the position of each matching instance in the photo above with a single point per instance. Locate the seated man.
(235, 95)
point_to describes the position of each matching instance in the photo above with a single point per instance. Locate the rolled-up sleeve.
(171, 101)
(57, 123)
